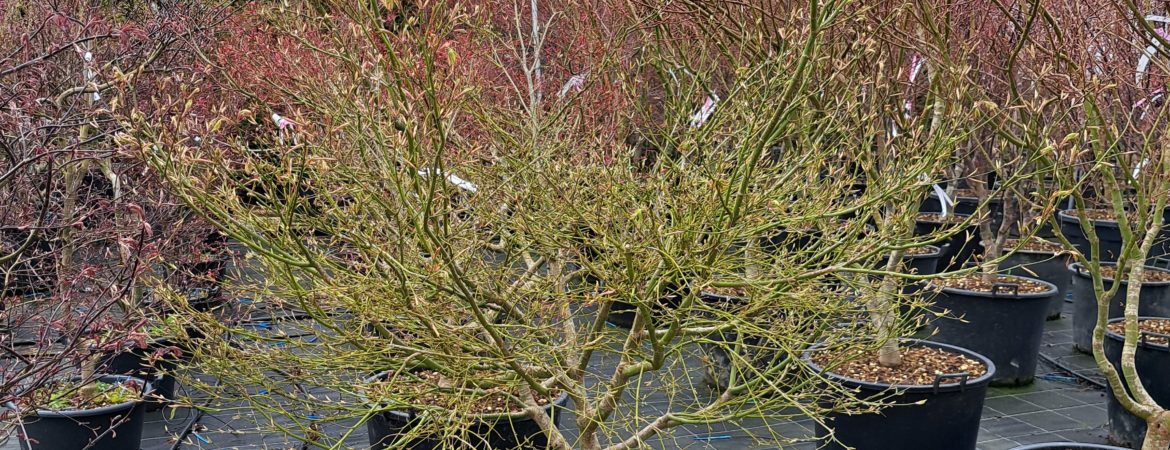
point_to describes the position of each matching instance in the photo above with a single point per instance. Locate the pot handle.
(997, 288)
(961, 376)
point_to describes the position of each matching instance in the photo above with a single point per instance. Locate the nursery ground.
(1062, 405)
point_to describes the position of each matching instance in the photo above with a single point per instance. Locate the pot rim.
(708, 296)
(1141, 343)
(1052, 290)
(1043, 252)
(994, 199)
(937, 252)
(407, 415)
(917, 218)
(1069, 215)
(969, 383)
(1077, 269)
(1060, 252)
(147, 388)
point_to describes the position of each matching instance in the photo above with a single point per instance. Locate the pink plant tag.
(705, 112)
(575, 83)
(282, 122)
(915, 68)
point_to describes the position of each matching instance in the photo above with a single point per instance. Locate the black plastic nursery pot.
(1108, 236)
(1154, 301)
(1004, 325)
(1046, 266)
(923, 264)
(926, 263)
(114, 427)
(717, 361)
(947, 418)
(486, 432)
(206, 293)
(920, 264)
(136, 362)
(957, 249)
(622, 314)
(1067, 446)
(965, 206)
(1152, 362)
(793, 240)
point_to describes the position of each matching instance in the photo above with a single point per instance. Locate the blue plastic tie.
(712, 438)
(1058, 378)
(201, 438)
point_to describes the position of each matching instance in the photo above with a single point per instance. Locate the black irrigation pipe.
(194, 420)
(190, 426)
(1066, 369)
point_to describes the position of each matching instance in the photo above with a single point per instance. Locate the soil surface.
(921, 251)
(938, 218)
(725, 291)
(1158, 326)
(976, 283)
(433, 389)
(1034, 245)
(67, 396)
(1096, 215)
(920, 365)
(1110, 273)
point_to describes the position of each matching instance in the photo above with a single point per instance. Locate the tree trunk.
(73, 178)
(88, 372)
(1158, 432)
(881, 311)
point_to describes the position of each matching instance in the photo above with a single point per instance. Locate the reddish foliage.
(53, 129)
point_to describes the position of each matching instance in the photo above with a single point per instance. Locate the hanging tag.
(281, 121)
(454, 179)
(575, 83)
(916, 63)
(705, 112)
(1138, 170)
(284, 126)
(943, 199)
(461, 183)
(90, 75)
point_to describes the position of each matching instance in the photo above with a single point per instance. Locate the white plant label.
(943, 199)
(454, 179)
(89, 75)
